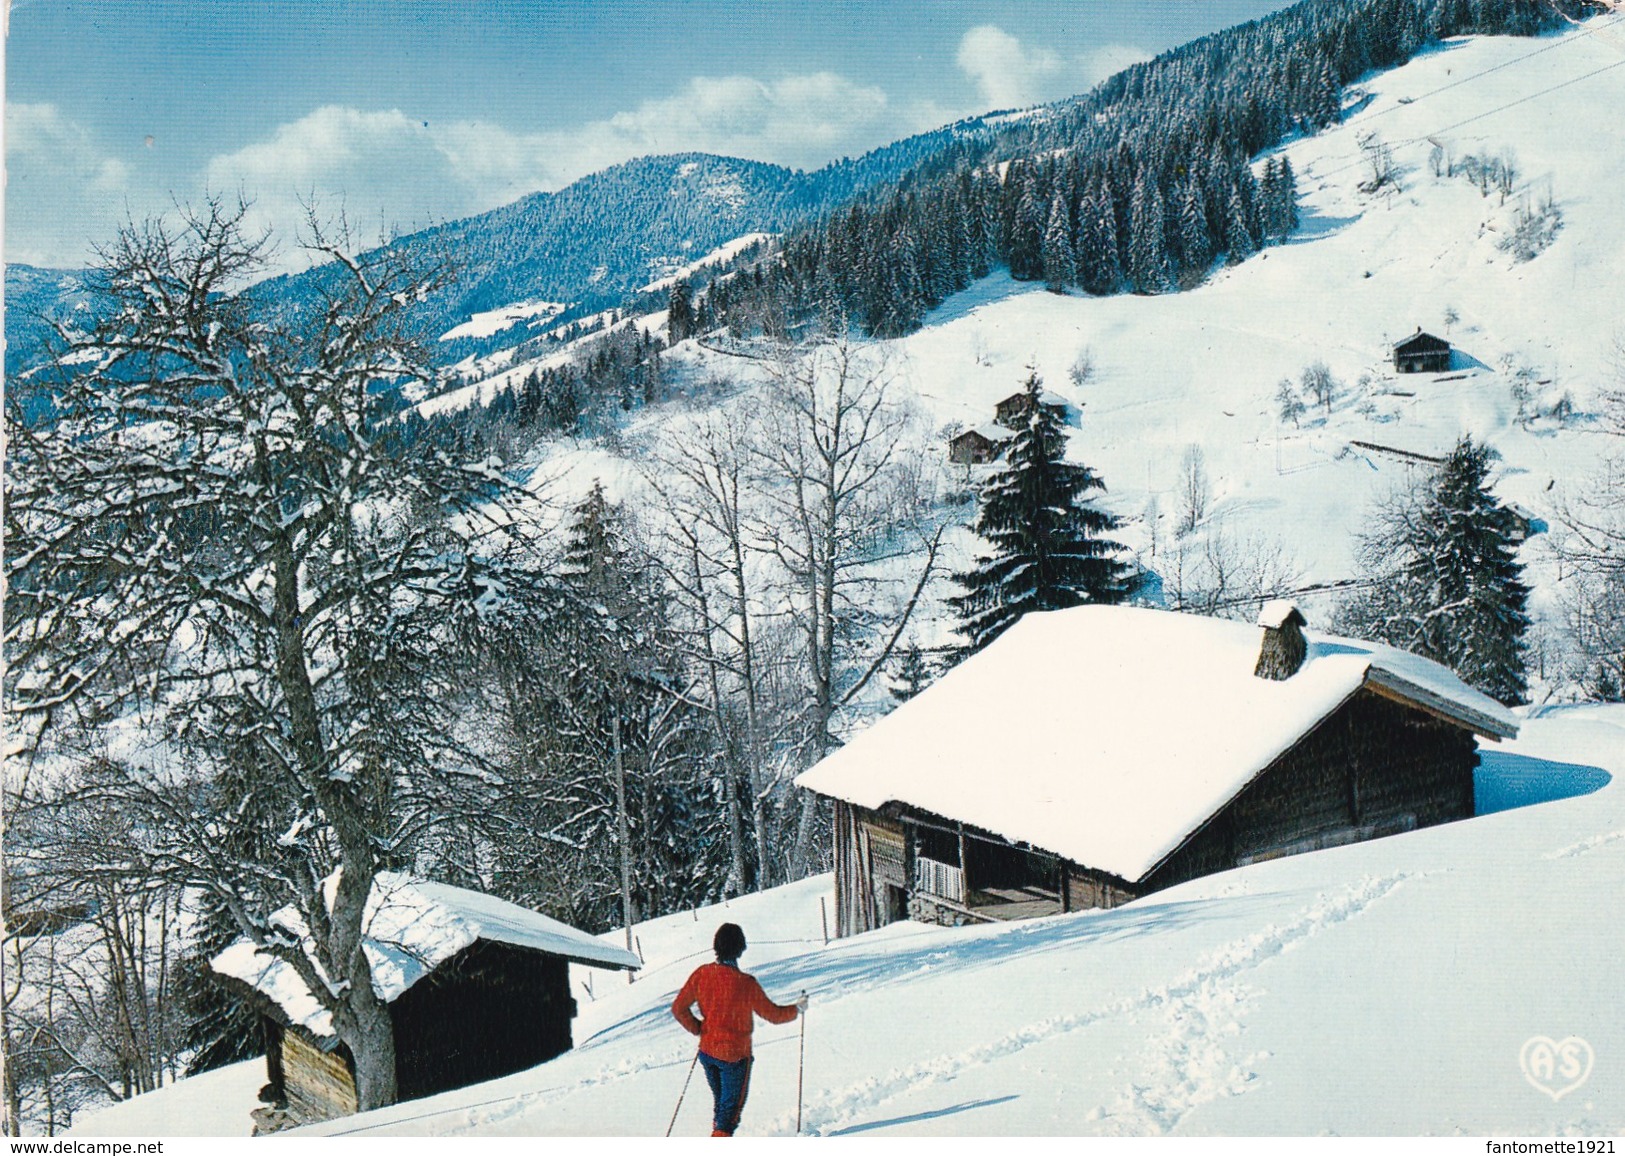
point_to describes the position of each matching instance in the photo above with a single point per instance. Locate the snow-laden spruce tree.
(914, 674)
(1050, 545)
(1446, 581)
(221, 538)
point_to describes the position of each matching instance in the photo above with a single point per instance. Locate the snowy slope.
(494, 321)
(1382, 988)
(1363, 271)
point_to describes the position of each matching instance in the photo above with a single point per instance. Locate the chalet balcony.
(939, 880)
(1006, 898)
(1004, 903)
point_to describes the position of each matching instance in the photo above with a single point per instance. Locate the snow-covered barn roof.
(1107, 734)
(412, 927)
(1045, 398)
(1423, 340)
(987, 432)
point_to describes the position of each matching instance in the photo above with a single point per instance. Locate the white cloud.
(62, 189)
(797, 120)
(1009, 74)
(381, 167)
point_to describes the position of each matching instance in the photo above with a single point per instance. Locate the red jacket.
(727, 998)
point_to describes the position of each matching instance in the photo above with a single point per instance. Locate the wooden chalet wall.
(320, 1085)
(1374, 767)
(1087, 888)
(871, 870)
(490, 1010)
(972, 448)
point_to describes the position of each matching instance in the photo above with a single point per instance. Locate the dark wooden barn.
(1012, 411)
(977, 446)
(1092, 756)
(1422, 353)
(477, 988)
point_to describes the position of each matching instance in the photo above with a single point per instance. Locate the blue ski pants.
(730, 1082)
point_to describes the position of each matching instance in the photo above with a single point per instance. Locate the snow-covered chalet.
(477, 987)
(1090, 756)
(1422, 353)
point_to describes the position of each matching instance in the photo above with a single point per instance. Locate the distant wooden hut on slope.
(1091, 756)
(1012, 411)
(977, 445)
(1422, 353)
(477, 987)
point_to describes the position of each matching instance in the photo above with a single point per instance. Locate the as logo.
(1556, 1067)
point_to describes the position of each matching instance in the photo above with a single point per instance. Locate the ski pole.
(801, 1063)
(684, 1092)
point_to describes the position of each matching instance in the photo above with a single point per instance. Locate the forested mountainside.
(32, 294)
(1139, 186)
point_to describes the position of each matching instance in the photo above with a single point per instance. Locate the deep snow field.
(1382, 988)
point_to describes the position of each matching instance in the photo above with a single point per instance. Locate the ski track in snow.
(1586, 846)
(1191, 1066)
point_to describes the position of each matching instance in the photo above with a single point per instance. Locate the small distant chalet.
(978, 445)
(1422, 353)
(477, 988)
(1012, 411)
(1091, 756)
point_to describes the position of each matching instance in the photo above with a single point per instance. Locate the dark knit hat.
(729, 941)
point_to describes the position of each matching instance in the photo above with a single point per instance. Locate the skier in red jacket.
(727, 998)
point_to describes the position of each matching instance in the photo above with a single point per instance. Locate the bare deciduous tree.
(1590, 547)
(1319, 384)
(829, 452)
(1230, 577)
(1082, 370)
(706, 493)
(1192, 492)
(1379, 164)
(224, 524)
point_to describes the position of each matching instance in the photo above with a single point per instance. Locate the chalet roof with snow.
(1107, 734)
(1420, 342)
(989, 432)
(1046, 398)
(412, 927)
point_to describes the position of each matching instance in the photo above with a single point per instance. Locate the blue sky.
(408, 113)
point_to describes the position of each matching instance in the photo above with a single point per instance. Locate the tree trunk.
(747, 663)
(735, 817)
(622, 830)
(361, 1019)
(372, 1043)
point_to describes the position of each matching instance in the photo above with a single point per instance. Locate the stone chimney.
(1284, 647)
